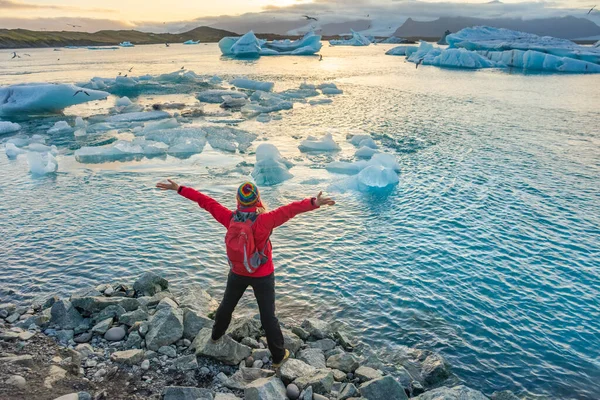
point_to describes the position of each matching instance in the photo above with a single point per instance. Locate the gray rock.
(301, 333)
(404, 377)
(250, 342)
(63, 336)
(226, 396)
(243, 377)
(90, 305)
(112, 311)
(8, 307)
(258, 364)
(307, 394)
(197, 299)
(265, 389)
(292, 392)
(70, 396)
(291, 342)
(339, 376)
(382, 388)
(259, 354)
(25, 336)
(130, 318)
(317, 396)
(165, 328)
(166, 302)
(293, 368)
(316, 328)
(9, 336)
(346, 362)
(244, 327)
(85, 350)
(434, 370)
(86, 292)
(186, 393)
(115, 334)
(4, 314)
(134, 341)
(145, 365)
(367, 373)
(17, 381)
(186, 363)
(149, 284)
(83, 338)
(24, 360)
(65, 315)
(348, 391)
(504, 395)
(323, 344)
(167, 351)
(144, 328)
(12, 318)
(344, 340)
(156, 299)
(193, 323)
(225, 349)
(455, 393)
(103, 326)
(321, 381)
(130, 357)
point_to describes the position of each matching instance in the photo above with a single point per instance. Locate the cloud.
(60, 24)
(8, 5)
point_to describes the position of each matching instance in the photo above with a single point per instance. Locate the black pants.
(264, 291)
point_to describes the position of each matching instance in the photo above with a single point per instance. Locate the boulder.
(132, 317)
(323, 344)
(16, 381)
(344, 340)
(186, 363)
(112, 311)
(339, 376)
(225, 349)
(186, 393)
(24, 360)
(197, 299)
(347, 392)
(103, 326)
(316, 328)
(65, 335)
(134, 341)
(292, 392)
(86, 292)
(291, 342)
(250, 342)
(149, 284)
(313, 357)
(55, 374)
(321, 381)
(115, 334)
(301, 333)
(382, 388)
(346, 362)
(265, 389)
(503, 395)
(25, 336)
(293, 368)
(244, 376)
(90, 305)
(244, 327)
(434, 370)
(64, 314)
(455, 393)
(165, 328)
(167, 351)
(367, 373)
(129, 357)
(193, 323)
(166, 302)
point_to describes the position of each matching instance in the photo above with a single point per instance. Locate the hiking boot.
(285, 358)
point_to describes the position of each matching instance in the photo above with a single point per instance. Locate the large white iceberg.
(8, 127)
(249, 46)
(270, 167)
(312, 144)
(34, 98)
(357, 39)
(427, 54)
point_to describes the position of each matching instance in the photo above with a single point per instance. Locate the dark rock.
(103, 326)
(249, 362)
(313, 357)
(149, 284)
(434, 370)
(94, 305)
(455, 393)
(167, 351)
(250, 342)
(292, 392)
(63, 336)
(301, 333)
(344, 340)
(65, 315)
(186, 393)
(225, 349)
(165, 328)
(244, 327)
(134, 341)
(265, 389)
(504, 395)
(347, 392)
(186, 363)
(321, 381)
(323, 344)
(115, 334)
(291, 342)
(132, 317)
(346, 362)
(112, 311)
(383, 388)
(193, 323)
(83, 338)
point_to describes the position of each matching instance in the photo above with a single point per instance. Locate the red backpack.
(240, 244)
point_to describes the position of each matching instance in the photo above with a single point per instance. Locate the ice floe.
(216, 95)
(8, 127)
(31, 98)
(270, 168)
(249, 46)
(191, 42)
(379, 173)
(312, 144)
(252, 85)
(233, 102)
(365, 152)
(401, 51)
(356, 39)
(393, 40)
(138, 116)
(41, 163)
(60, 127)
(126, 44)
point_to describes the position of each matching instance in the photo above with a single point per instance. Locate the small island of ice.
(249, 46)
(356, 39)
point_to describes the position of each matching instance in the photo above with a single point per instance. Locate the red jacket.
(262, 227)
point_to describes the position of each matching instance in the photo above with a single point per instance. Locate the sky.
(92, 15)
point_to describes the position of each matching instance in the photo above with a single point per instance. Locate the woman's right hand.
(168, 186)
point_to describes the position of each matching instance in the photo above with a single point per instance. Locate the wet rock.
(165, 328)
(301, 333)
(293, 369)
(404, 377)
(149, 284)
(321, 381)
(323, 344)
(167, 351)
(434, 370)
(503, 395)
(338, 376)
(103, 326)
(186, 363)
(346, 362)
(134, 341)
(24, 360)
(225, 349)
(292, 392)
(383, 388)
(112, 311)
(55, 374)
(186, 393)
(265, 389)
(129, 357)
(63, 336)
(366, 373)
(455, 393)
(244, 327)
(16, 381)
(316, 328)
(347, 392)
(64, 314)
(344, 340)
(197, 299)
(250, 342)
(193, 323)
(291, 342)
(83, 338)
(115, 334)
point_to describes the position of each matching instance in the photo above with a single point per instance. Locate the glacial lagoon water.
(487, 251)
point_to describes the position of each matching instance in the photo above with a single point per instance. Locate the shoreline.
(142, 341)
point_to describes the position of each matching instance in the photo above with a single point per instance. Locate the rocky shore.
(116, 341)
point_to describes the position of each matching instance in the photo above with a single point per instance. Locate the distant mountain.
(565, 27)
(20, 38)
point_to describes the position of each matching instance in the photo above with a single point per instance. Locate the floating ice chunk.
(357, 39)
(42, 148)
(427, 54)
(537, 61)
(60, 127)
(247, 46)
(233, 102)
(19, 141)
(174, 136)
(41, 163)
(123, 102)
(298, 93)
(80, 127)
(264, 118)
(358, 139)
(376, 177)
(346, 168)
(229, 139)
(216, 95)
(326, 143)
(12, 151)
(308, 86)
(191, 42)
(8, 127)
(125, 81)
(401, 51)
(327, 85)
(385, 160)
(270, 167)
(319, 101)
(393, 40)
(252, 85)
(264, 102)
(365, 152)
(157, 126)
(126, 44)
(331, 91)
(120, 150)
(138, 116)
(215, 80)
(34, 98)
(187, 146)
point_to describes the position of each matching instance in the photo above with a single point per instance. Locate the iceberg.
(270, 168)
(356, 39)
(312, 144)
(33, 98)
(126, 44)
(376, 177)
(252, 85)
(8, 127)
(138, 116)
(191, 42)
(380, 173)
(536, 61)
(393, 40)
(12, 151)
(60, 127)
(401, 51)
(248, 46)
(427, 54)
(121, 150)
(41, 163)
(226, 138)
(363, 140)
(365, 152)
(216, 95)
(442, 41)
(352, 168)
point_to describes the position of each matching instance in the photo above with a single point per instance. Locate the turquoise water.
(488, 251)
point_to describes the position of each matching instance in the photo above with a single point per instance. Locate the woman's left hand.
(324, 201)
(168, 186)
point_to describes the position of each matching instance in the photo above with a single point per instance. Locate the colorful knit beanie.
(247, 195)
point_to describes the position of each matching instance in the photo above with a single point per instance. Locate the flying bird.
(309, 18)
(15, 55)
(130, 69)
(418, 63)
(28, 55)
(81, 91)
(167, 44)
(591, 9)
(183, 67)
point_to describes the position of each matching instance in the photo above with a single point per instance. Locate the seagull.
(81, 91)
(591, 9)
(28, 55)
(125, 76)
(183, 67)
(167, 44)
(15, 55)
(320, 57)
(419, 62)
(120, 73)
(309, 18)
(130, 69)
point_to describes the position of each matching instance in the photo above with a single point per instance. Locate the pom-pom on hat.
(248, 196)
